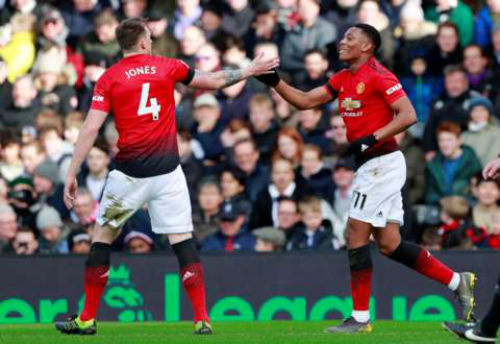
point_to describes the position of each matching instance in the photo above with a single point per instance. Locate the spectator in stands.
(20, 6)
(369, 12)
(457, 229)
(19, 52)
(246, 158)
(452, 106)
(52, 78)
(238, 18)
(316, 68)
(285, 114)
(235, 98)
(48, 190)
(191, 43)
(138, 242)
(237, 130)
(25, 242)
(79, 242)
(314, 233)
(312, 129)
(57, 150)
(85, 209)
(11, 165)
(452, 169)
(22, 198)
(234, 52)
(8, 227)
(485, 21)
(265, 27)
(431, 240)
(206, 214)
(187, 13)
(94, 178)
(79, 17)
(192, 168)
(32, 155)
(53, 232)
(288, 216)
(476, 64)
(312, 32)
(264, 127)
(337, 134)
(446, 50)
(458, 13)
(341, 194)
(48, 118)
(486, 214)
(232, 183)
(134, 8)
(24, 107)
(164, 44)
(415, 166)
(316, 175)
(73, 123)
(422, 89)
(482, 134)
(341, 13)
(208, 127)
(265, 208)
(269, 239)
(211, 22)
(289, 146)
(207, 58)
(415, 37)
(232, 234)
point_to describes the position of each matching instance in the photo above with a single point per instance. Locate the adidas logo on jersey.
(380, 214)
(97, 98)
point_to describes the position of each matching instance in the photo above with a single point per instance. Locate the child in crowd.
(314, 172)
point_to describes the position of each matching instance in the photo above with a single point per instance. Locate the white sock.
(455, 281)
(361, 316)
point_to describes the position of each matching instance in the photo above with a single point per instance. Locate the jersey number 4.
(144, 109)
(357, 196)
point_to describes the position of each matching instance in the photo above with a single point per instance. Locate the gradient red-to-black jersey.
(139, 91)
(365, 99)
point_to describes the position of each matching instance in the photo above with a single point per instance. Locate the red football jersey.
(139, 91)
(365, 99)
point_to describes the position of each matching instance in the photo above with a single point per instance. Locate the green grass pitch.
(281, 332)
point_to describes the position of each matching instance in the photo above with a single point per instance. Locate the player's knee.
(179, 237)
(105, 234)
(387, 247)
(355, 237)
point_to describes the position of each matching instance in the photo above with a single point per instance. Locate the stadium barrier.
(240, 287)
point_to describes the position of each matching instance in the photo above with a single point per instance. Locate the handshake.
(271, 79)
(264, 70)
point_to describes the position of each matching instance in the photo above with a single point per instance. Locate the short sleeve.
(390, 87)
(100, 99)
(181, 72)
(333, 85)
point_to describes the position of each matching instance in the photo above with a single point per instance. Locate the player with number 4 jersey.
(374, 108)
(139, 91)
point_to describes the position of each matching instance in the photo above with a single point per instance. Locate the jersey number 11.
(144, 109)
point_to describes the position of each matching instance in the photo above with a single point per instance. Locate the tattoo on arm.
(228, 77)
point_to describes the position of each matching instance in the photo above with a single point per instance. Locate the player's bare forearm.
(300, 99)
(405, 118)
(86, 139)
(220, 79)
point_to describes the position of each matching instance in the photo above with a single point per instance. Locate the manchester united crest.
(360, 88)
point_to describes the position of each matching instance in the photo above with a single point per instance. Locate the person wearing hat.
(53, 232)
(48, 190)
(79, 242)
(232, 234)
(22, 198)
(164, 43)
(209, 128)
(269, 239)
(483, 133)
(265, 27)
(138, 242)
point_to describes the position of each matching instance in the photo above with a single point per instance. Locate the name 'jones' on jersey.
(139, 91)
(365, 98)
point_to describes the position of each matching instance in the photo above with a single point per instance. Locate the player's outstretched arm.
(405, 118)
(84, 143)
(303, 100)
(224, 78)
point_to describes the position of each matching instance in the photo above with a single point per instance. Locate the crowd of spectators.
(262, 175)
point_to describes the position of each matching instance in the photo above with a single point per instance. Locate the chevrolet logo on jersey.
(351, 104)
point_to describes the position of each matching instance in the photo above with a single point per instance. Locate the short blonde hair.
(310, 203)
